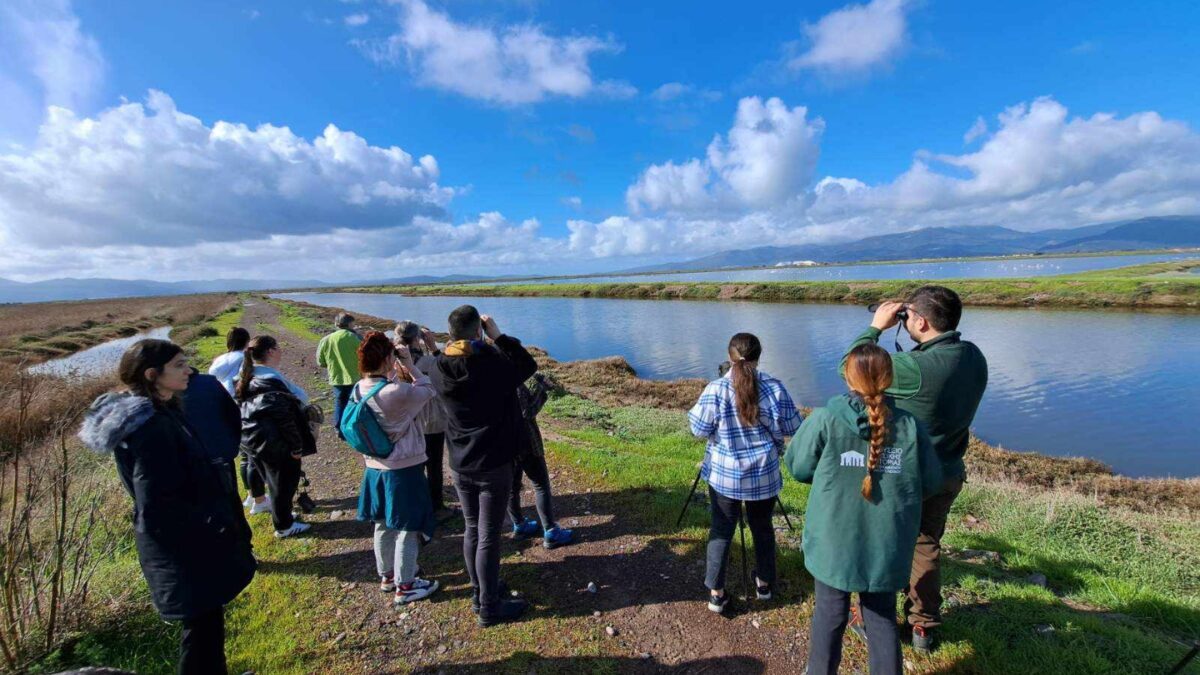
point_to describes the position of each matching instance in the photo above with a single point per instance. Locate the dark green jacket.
(940, 382)
(849, 543)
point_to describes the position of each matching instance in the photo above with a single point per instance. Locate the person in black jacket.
(275, 429)
(214, 415)
(192, 539)
(478, 383)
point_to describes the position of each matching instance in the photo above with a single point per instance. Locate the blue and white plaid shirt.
(742, 462)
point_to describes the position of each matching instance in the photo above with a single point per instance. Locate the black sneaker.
(506, 609)
(718, 603)
(762, 589)
(855, 623)
(922, 640)
(504, 593)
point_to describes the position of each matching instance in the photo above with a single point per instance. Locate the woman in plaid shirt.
(745, 416)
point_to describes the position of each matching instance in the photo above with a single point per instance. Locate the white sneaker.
(261, 507)
(296, 528)
(248, 501)
(417, 589)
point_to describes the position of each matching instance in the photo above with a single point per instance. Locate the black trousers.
(251, 478)
(829, 625)
(282, 477)
(435, 449)
(483, 497)
(202, 644)
(533, 466)
(725, 515)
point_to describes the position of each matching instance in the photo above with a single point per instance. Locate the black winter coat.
(192, 538)
(213, 414)
(484, 425)
(274, 424)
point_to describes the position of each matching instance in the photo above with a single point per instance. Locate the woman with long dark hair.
(192, 539)
(745, 415)
(870, 465)
(275, 430)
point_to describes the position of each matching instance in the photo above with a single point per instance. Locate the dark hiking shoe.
(922, 640)
(855, 624)
(506, 609)
(503, 592)
(718, 603)
(306, 503)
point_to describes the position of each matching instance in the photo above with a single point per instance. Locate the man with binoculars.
(940, 382)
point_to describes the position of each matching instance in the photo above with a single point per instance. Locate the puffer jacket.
(192, 539)
(274, 424)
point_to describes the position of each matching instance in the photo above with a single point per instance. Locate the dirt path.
(650, 582)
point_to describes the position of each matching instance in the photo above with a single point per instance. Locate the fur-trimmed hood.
(112, 417)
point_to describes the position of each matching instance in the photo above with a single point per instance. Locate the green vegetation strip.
(1164, 285)
(1123, 589)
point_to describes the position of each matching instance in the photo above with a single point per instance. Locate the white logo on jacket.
(852, 458)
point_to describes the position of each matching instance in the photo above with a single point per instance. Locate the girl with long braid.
(870, 466)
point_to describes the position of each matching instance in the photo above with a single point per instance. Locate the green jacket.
(941, 383)
(338, 352)
(849, 543)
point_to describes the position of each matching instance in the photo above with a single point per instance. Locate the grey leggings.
(533, 466)
(396, 553)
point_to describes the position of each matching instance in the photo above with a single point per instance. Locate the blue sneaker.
(557, 536)
(529, 528)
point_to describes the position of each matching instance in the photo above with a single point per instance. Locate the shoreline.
(611, 382)
(1155, 285)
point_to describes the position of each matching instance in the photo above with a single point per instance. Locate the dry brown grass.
(40, 331)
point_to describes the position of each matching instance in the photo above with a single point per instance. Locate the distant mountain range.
(932, 242)
(961, 242)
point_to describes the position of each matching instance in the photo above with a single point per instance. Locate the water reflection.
(95, 361)
(1114, 385)
(970, 269)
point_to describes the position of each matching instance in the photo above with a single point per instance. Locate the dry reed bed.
(36, 332)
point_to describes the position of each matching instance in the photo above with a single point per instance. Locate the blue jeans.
(341, 397)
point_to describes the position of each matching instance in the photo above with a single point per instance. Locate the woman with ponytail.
(870, 466)
(745, 415)
(275, 430)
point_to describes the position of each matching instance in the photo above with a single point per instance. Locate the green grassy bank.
(1165, 285)
(1122, 591)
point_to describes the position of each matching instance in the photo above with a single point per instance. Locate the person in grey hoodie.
(394, 494)
(192, 540)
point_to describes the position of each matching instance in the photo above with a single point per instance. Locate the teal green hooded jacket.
(850, 543)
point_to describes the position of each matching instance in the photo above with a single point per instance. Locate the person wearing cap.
(338, 354)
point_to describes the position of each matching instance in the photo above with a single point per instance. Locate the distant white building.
(797, 263)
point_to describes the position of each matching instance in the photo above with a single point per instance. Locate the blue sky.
(591, 144)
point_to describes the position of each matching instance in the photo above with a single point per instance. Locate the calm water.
(974, 269)
(1115, 386)
(96, 361)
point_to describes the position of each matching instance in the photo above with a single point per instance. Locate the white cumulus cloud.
(150, 174)
(856, 38)
(767, 157)
(507, 65)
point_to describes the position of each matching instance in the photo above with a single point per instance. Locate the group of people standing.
(884, 459)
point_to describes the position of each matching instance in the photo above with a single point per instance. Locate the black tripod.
(741, 525)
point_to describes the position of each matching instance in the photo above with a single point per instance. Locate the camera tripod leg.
(688, 500)
(784, 512)
(1187, 658)
(745, 566)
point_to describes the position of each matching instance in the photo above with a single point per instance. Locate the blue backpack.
(361, 427)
